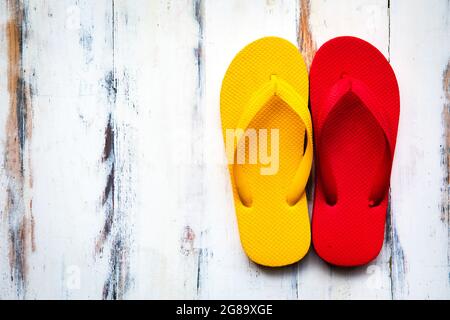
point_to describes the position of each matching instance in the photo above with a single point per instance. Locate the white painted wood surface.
(113, 181)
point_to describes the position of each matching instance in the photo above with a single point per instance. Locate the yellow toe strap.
(277, 87)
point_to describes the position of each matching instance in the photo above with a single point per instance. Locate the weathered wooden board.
(420, 183)
(113, 182)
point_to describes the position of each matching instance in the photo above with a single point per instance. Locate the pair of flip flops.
(268, 133)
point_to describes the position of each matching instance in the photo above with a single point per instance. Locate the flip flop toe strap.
(280, 88)
(369, 100)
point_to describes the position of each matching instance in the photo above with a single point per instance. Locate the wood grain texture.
(420, 270)
(72, 108)
(445, 148)
(305, 38)
(113, 178)
(18, 131)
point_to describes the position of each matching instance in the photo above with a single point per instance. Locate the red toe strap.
(348, 85)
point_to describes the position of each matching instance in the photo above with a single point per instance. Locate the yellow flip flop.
(265, 118)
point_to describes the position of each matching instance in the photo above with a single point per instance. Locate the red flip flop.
(355, 107)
